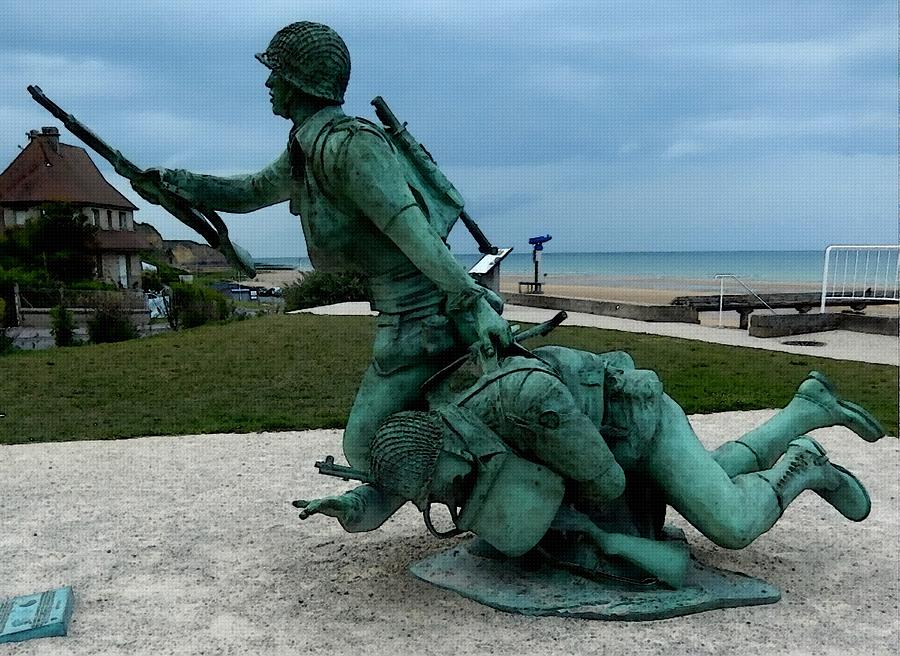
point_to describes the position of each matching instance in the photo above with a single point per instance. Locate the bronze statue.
(562, 443)
(559, 457)
(361, 210)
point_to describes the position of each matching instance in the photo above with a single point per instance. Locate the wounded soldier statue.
(561, 462)
(567, 459)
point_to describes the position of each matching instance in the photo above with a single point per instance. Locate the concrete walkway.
(838, 344)
(189, 545)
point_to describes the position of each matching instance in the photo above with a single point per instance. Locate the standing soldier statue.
(346, 180)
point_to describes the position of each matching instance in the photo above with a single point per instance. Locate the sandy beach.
(638, 291)
(624, 289)
(189, 545)
(633, 290)
(642, 290)
(273, 278)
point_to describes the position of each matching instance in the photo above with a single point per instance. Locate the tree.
(59, 243)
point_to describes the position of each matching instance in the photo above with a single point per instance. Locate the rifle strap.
(296, 155)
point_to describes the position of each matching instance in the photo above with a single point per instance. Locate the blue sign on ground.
(36, 616)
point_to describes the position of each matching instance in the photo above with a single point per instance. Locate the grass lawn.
(301, 371)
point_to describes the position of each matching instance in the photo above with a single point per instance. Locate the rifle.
(427, 167)
(328, 468)
(205, 222)
(666, 560)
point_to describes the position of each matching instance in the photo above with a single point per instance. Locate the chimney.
(49, 134)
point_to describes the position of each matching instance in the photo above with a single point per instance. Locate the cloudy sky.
(639, 126)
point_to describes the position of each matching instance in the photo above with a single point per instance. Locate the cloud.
(778, 130)
(686, 148)
(544, 109)
(761, 126)
(799, 56)
(803, 200)
(67, 76)
(565, 82)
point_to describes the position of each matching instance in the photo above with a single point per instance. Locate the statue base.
(528, 588)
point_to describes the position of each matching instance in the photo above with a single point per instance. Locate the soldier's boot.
(805, 466)
(820, 392)
(815, 405)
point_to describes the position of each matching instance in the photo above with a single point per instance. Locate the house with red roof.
(47, 171)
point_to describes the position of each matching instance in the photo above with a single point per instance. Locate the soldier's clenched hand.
(492, 329)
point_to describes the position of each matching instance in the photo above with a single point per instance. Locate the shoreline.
(626, 289)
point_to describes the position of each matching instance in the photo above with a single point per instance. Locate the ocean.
(681, 269)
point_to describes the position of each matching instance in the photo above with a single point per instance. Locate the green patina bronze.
(562, 462)
(368, 202)
(563, 456)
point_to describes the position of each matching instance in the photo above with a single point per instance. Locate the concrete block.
(781, 325)
(661, 313)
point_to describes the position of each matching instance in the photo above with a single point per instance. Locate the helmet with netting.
(312, 57)
(404, 453)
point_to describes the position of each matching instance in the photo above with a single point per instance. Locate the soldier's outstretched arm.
(374, 181)
(238, 194)
(363, 508)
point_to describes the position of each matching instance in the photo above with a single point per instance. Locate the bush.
(155, 281)
(62, 325)
(93, 286)
(319, 288)
(5, 342)
(193, 305)
(57, 243)
(111, 323)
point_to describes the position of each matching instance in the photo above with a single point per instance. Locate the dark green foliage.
(92, 285)
(154, 281)
(5, 342)
(62, 325)
(317, 288)
(8, 279)
(111, 323)
(58, 243)
(194, 305)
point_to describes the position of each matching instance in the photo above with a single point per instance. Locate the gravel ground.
(189, 545)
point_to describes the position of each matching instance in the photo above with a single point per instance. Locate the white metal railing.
(721, 278)
(861, 271)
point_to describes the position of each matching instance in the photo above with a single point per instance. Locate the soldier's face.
(280, 92)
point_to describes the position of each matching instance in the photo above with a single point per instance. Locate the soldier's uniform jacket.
(343, 178)
(527, 404)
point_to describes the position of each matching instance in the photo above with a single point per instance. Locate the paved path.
(838, 344)
(189, 545)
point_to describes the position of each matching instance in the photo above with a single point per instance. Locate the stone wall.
(635, 311)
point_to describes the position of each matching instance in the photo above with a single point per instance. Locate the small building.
(47, 171)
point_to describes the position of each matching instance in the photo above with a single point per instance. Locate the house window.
(122, 222)
(95, 216)
(109, 223)
(21, 215)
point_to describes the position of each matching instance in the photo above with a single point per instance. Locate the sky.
(639, 126)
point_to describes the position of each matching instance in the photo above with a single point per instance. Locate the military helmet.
(404, 453)
(312, 57)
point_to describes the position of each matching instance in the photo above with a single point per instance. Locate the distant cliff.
(182, 253)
